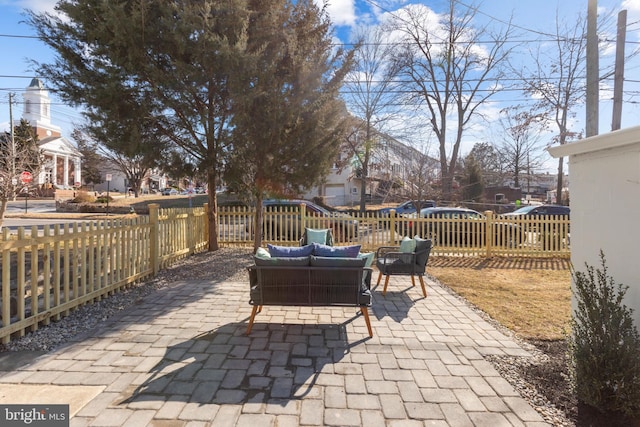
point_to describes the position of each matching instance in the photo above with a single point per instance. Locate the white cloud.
(341, 12)
(37, 5)
(631, 5)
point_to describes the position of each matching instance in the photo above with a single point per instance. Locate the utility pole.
(618, 80)
(14, 178)
(593, 68)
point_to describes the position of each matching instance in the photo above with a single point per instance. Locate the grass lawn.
(532, 297)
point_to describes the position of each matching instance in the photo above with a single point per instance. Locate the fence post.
(489, 234)
(303, 221)
(392, 227)
(154, 225)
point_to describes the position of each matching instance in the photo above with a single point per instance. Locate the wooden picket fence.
(493, 235)
(46, 273)
(49, 272)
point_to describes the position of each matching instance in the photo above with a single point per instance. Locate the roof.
(607, 141)
(58, 145)
(35, 82)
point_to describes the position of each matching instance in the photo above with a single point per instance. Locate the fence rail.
(48, 272)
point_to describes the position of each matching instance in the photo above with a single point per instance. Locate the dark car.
(539, 219)
(541, 210)
(408, 207)
(458, 226)
(169, 192)
(282, 220)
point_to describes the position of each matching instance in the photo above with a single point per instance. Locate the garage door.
(335, 195)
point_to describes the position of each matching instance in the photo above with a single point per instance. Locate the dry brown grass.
(532, 297)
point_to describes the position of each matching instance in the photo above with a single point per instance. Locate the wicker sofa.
(310, 281)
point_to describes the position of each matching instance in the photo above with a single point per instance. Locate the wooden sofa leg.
(365, 314)
(413, 280)
(424, 289)
(379, 277)
(386, 282)
(254, 310)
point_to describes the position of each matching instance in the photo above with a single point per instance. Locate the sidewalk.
(180, 358)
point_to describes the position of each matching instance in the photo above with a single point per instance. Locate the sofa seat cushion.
(302, 261)
(324, 261)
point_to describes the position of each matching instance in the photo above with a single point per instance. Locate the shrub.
(104, 199)
(604, 345)
(83, 197)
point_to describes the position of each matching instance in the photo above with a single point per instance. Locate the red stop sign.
(26, 177)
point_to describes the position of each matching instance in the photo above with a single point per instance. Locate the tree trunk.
(363, 190)
(3, 209)
(212, 215)
(257, 225)
(560, 177)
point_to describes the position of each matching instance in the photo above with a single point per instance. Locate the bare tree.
(418, 170)
(452, 67)
(370, 93)
(557, 81)
(19, 152)
(518, 143)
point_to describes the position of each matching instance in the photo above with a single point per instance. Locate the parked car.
(408, 207)
(541, 210)
(458, 226)
(288, 224)
(169, 192)
(545, 230)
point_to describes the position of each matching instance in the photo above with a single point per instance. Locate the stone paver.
(181, 358)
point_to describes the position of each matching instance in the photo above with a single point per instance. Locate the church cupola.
(37, 109)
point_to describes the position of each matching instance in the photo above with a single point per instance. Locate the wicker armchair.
(391, 261)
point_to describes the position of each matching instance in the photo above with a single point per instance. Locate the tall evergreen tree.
(287, 118)
(473, 188)
(178, 55)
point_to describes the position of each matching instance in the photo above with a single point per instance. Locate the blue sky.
(532, 17)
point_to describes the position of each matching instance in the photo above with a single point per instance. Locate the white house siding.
(605, 206)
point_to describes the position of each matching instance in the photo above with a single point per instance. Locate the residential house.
(396, 172)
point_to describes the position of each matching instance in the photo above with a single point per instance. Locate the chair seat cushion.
(394, 266)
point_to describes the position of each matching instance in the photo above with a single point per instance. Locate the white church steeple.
(37, 110)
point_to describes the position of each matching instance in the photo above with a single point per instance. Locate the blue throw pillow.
(289, 251)
(336, 251)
